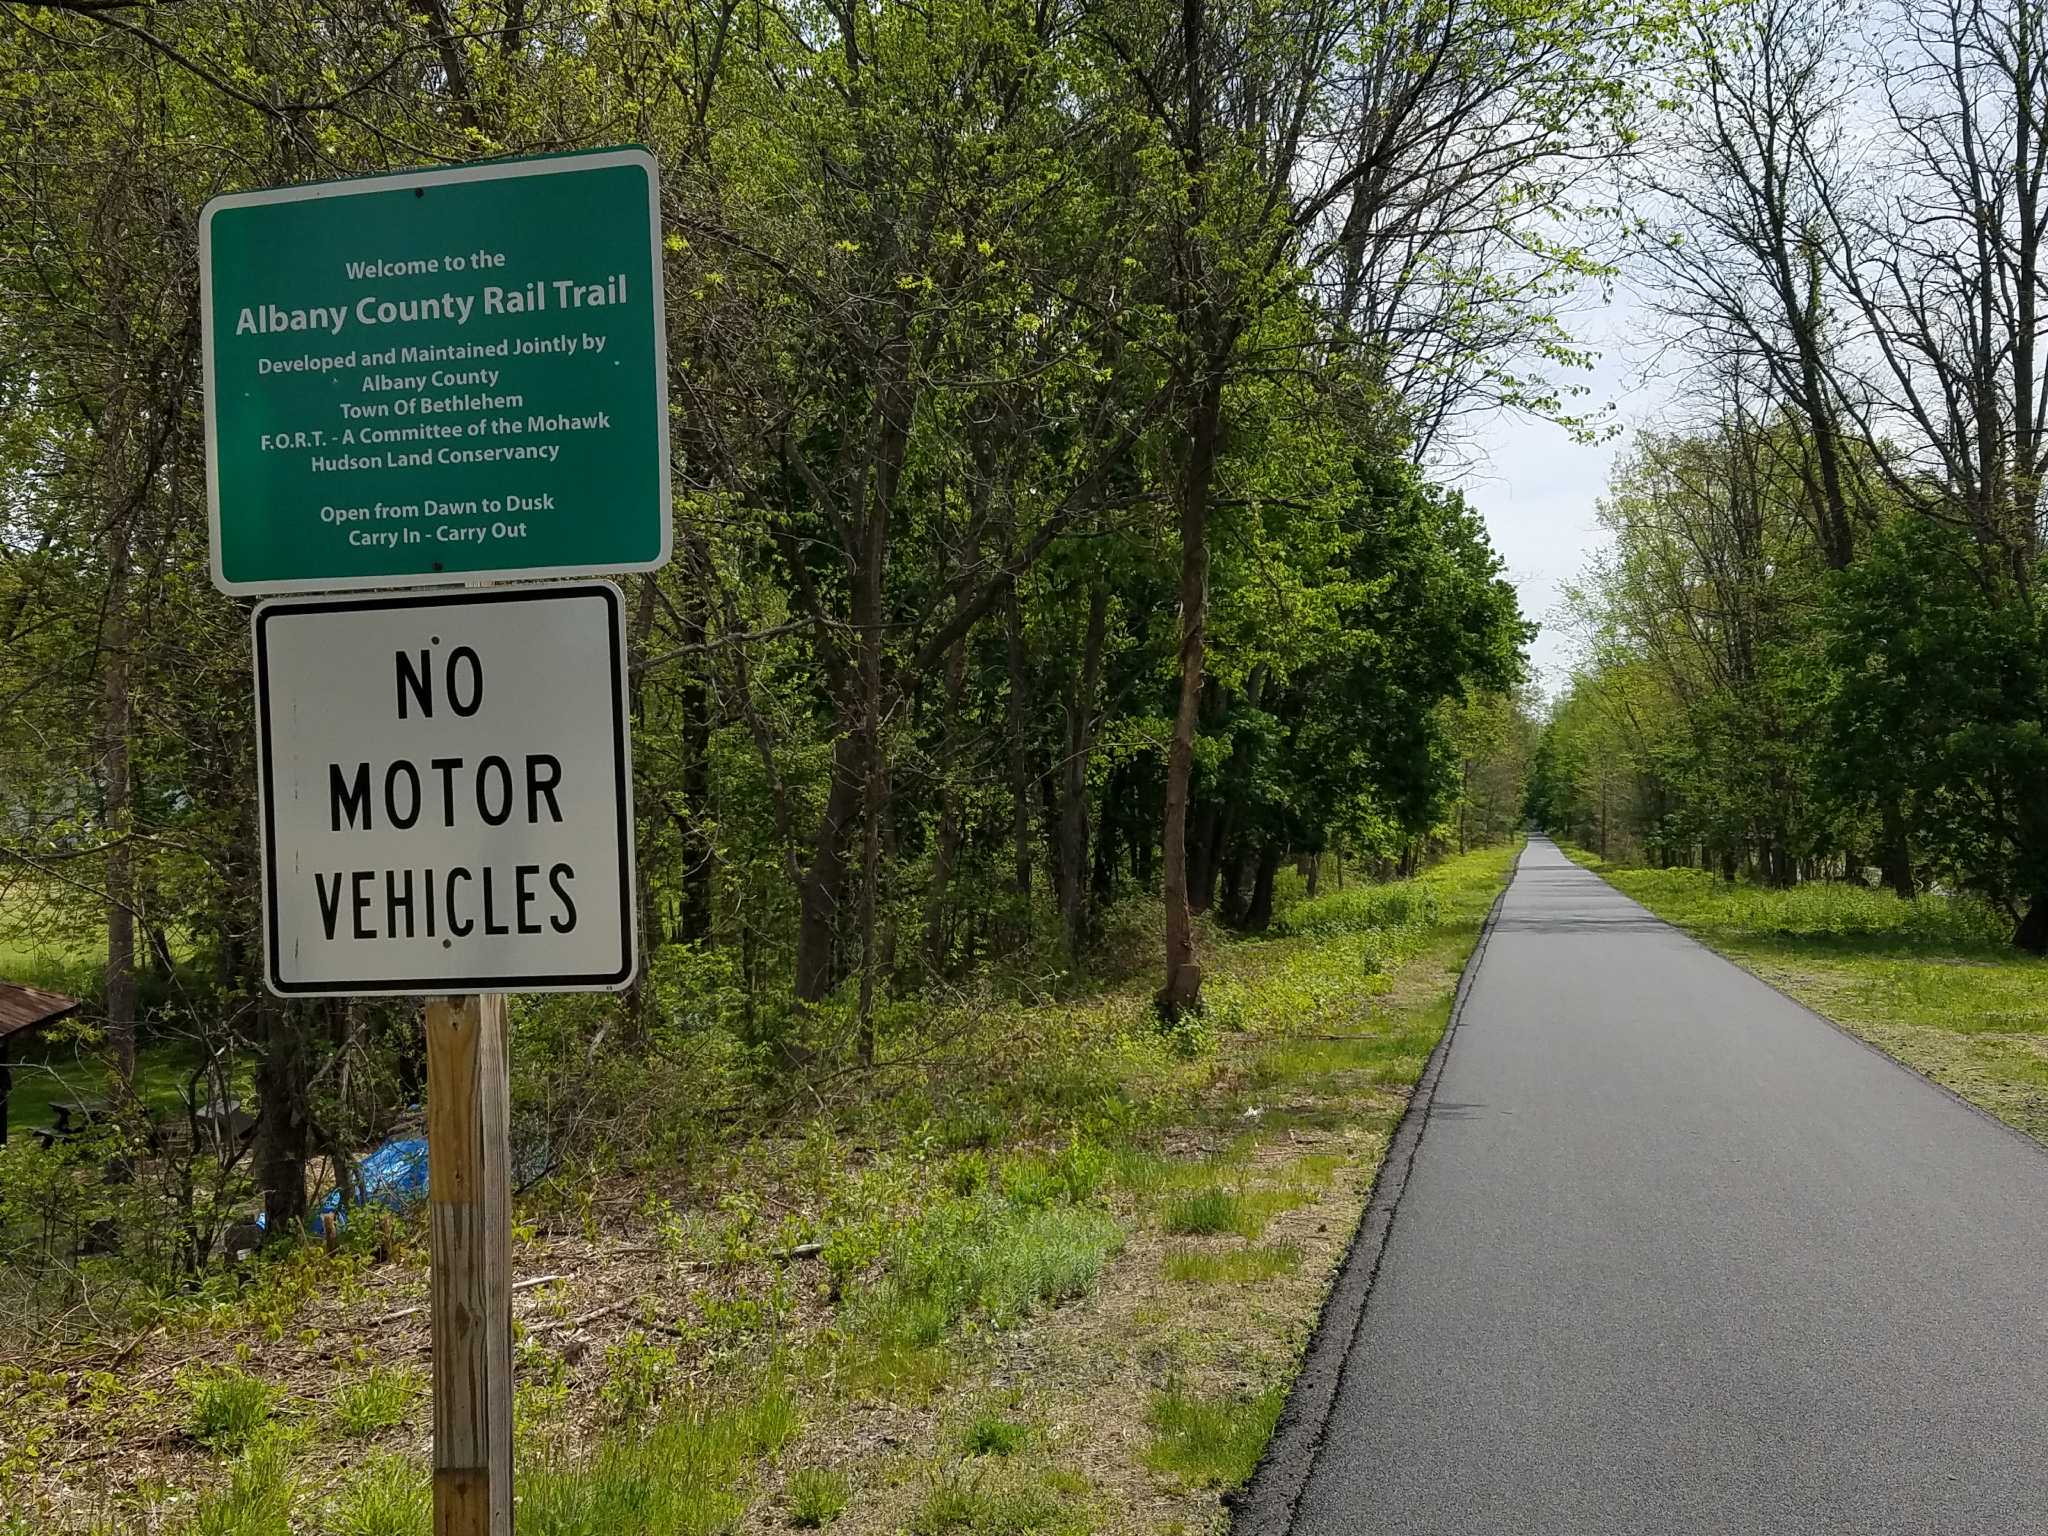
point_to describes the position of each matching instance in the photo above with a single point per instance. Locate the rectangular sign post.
(417, 380)
(445, 798)
(445, 792)
(437, 376)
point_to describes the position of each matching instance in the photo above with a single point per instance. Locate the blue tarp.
(393, 1176)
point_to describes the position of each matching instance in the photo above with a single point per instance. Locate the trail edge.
(1266, 1505)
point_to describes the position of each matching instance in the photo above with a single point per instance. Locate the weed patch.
(390, 1496)
(1206, 1213)
(1363, 909)
(990, 1434)
(228, 1406)
(1211, 1442)
(984, 1504)
(1187, 1265)
(259, 1495)
(817, 1497)
(378, 1400)
(683, 1476)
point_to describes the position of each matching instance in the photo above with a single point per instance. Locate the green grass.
(981, 1503)
(1187, 1265)
(1215, 1210)
(1363, 909)
(377, 1400)
(990, 1434)
(817, 1497)
(228, 1406)
(986, 1257)
(686, 1475)
(388, 1496)
(1206, 1213)
(258, 1499)
(1931, 981)
(1211, 1442)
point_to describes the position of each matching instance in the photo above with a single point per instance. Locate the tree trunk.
(116, 773)
(823, 882)
(946, 846)
(281, 1078)
(1183, 986)
(1081, 715)
(1205, 844)
(2032, 933)
(693, 916)
(1315, 870)
(1020, 769)
(1258, 916)
(1895, 858)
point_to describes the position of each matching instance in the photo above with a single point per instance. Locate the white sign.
(446, 790)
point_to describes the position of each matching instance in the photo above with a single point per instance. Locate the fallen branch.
(405, 1312)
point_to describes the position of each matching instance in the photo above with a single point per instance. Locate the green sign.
(437, 376)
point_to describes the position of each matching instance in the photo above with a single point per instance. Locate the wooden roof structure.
(23, 1008)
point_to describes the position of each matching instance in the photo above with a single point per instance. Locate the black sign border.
(439, 986)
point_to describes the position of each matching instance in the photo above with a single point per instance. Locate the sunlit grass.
(1188, 1265)
(1211, 1442)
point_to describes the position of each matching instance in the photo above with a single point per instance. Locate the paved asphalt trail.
(1676, 1256)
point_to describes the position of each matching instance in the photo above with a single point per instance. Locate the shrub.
(637, 1372)
(1362, 909)
(966, 1173)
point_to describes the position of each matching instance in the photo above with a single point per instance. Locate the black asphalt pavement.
(1675, 1255)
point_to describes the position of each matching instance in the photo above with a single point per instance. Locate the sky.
(1536, 487)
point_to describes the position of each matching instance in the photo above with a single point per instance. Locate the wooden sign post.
(470, 1205)
(444, 778)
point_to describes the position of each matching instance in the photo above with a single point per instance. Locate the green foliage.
(637, 1372)
(966, 1173)
(376, 1401)
(258, 1500)
(680, 1476)
(817, 1497)
(1363, 909)
(228, 1405)
(1231, 1266)
(387, 1496)
(990, 1434)
(1211, 1442)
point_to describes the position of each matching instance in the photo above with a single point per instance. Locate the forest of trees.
(1815, 647)
(1058, 390)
